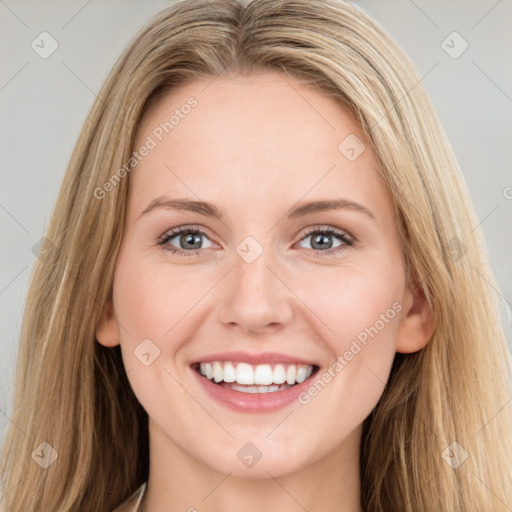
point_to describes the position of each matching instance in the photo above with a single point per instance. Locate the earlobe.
(107, 332)
(417, 324)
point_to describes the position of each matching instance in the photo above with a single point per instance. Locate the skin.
(255, 146)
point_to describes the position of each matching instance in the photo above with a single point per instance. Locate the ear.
(417, 324)
(107, 332)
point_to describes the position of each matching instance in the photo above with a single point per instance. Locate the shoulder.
(132, 503)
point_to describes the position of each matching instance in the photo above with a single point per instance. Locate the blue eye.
(190, 243)
(188, 238)
(322, 240)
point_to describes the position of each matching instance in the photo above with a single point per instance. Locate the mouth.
(255, 378)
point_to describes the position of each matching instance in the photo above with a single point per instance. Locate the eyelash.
(347, 240)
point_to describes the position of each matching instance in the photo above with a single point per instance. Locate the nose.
(256, 298)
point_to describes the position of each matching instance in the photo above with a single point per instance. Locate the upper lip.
(254, 358)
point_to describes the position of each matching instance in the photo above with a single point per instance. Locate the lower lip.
(253, 402)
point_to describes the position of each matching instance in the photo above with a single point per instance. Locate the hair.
(73, 393)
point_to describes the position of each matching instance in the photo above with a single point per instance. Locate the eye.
(322, 240)
(188, 240)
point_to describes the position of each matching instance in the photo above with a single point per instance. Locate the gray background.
(43, 103)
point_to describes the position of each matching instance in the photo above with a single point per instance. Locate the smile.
(247, 378)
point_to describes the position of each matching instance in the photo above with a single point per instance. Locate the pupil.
(194, 239)
(322, 240)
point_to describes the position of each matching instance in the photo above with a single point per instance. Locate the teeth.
(229, 373)
(257, 376)
(256, 389)
(217, 372)
(245, 374)
(279, 374)
(301, 374)
(263, 374)
(290, 374)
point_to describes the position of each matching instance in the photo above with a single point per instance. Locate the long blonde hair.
(73, 393)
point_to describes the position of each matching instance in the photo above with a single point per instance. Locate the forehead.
(268, 106)
(257, 135)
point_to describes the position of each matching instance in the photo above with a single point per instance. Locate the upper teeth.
(263, 374)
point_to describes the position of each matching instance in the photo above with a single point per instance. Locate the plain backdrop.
(44, 101)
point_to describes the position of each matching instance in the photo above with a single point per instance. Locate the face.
(324, 286)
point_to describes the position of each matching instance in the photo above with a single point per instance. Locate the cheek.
(349, 299)
(139, 302)
(152, 301)
(358, 311)
(153, 307)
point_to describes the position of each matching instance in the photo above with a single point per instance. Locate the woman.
(356, 312)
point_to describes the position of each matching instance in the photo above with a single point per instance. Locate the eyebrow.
(210, 210)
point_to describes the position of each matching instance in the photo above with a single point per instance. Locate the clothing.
(133, 502)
